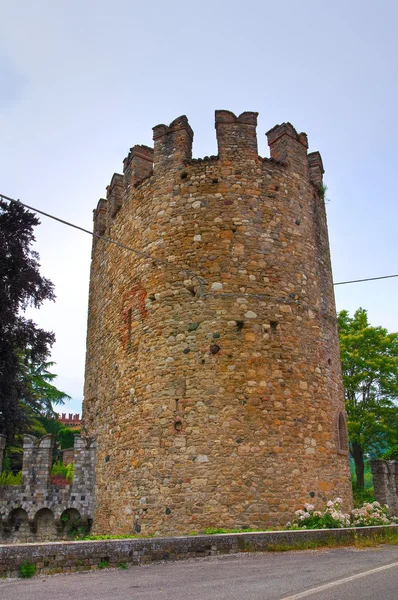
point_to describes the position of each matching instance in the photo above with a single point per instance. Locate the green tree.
(21, 285)
(369, 358)
(38, 397)
(40, 393)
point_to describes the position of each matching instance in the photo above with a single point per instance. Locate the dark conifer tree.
(21, 285)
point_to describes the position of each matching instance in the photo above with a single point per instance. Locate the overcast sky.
(83, 81)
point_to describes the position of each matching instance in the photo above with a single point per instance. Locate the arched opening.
(71, 522)
(342, 433)
(18, 522)
(45, 525)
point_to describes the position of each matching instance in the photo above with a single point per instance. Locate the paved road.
(338, 574)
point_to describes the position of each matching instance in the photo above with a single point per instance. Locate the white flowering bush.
(371, 514)
(333, 516)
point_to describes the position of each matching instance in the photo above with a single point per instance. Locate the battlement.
(73, 420)
(236, 136)
(38, 504)
(100, 217)
(137, 166)
(114, 195)
(288, 146)
(315, 168)
(172, 151)
(172, 144)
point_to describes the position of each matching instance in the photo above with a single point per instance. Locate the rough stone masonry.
(213, 383)
(38, 510)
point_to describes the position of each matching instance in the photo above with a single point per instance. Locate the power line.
(201, 280)
(367, 279)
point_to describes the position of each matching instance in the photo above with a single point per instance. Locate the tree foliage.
(41, 394)
(66, 436)
(21, 285)
(369, 358)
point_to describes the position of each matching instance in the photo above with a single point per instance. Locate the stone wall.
(82, 556)
(37, 510)
(385, 482)
(213, 380)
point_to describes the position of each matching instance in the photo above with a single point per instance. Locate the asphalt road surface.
(338, 574)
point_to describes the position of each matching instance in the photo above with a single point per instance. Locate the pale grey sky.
(83, 81)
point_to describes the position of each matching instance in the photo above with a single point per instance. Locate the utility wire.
(201, 280)
(367, 279)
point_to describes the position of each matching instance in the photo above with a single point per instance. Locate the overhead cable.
(200, 279)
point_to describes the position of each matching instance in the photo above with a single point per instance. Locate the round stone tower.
(213, 383)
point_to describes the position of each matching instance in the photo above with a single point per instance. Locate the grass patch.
(87, 538)
(387, 537)
(127, 536)
(215, 530)
(362, 496)
(103, 564)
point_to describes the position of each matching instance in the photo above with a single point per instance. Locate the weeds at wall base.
(91, 556)
(27, 570)
(359, 542)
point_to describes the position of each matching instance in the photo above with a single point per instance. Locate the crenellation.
(172, 144)
(39, 510)
(137, 166)
(288, 146)
(316, 169)
(114, 196)
(385, 482)
(236, 136)
(84, 466)
(100, 217)
(37, 461)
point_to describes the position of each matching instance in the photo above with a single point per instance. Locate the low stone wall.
(55, 557)
(39, 510)
(385, 482)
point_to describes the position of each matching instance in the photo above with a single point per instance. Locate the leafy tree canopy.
(369, 358)
(24, 347)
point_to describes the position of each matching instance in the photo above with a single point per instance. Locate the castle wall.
(37, 510)
(213, 383)
(385, 482)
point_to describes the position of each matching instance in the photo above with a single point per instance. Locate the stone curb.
(57, 557)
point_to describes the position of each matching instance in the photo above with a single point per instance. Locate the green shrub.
(27, 569)
(70, 469)
(66, 436)
(8, 478)
(59, 469)
(391, 454)
(361, 496)
(103, 564)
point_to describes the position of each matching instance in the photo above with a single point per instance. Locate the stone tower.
(213, 383)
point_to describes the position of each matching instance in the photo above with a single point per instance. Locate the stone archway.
(18, 525)
(70, 521)
(45, 525)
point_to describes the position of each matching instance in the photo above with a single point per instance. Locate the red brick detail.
(133, 310)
